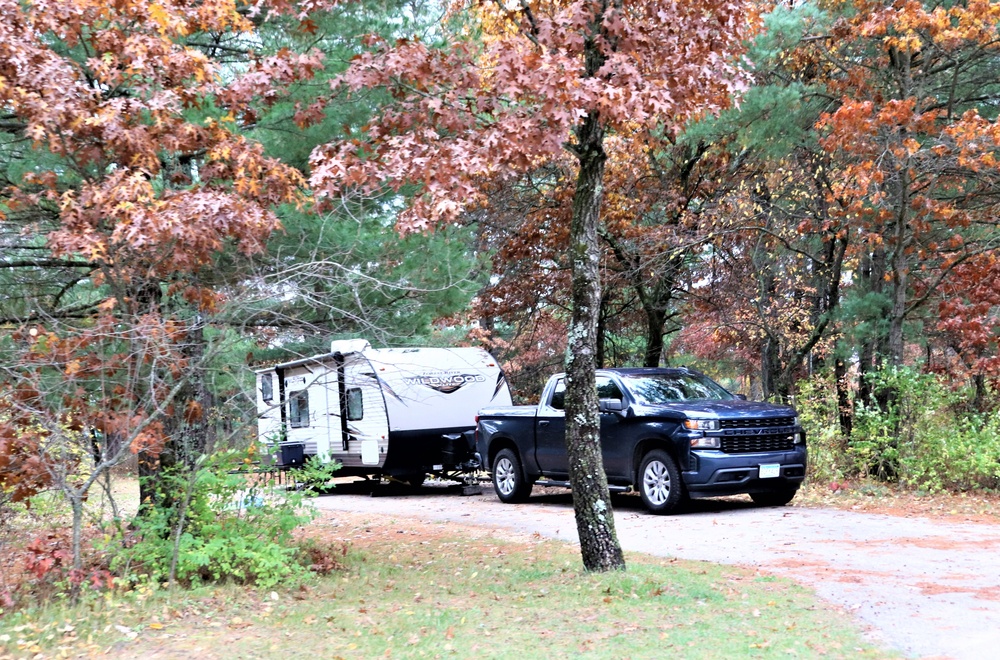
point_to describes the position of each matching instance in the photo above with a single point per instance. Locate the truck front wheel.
(508, 477)
(660, 483)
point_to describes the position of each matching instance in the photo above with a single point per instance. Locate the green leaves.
(235, 527)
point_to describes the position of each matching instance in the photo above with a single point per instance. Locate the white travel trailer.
(399, 412)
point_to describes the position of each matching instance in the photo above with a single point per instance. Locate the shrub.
(903, 440)
(924, 437)
(233, 527)
(816, 402)
(964, 456)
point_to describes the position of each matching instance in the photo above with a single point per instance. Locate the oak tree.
(915, 139)
(546, 79)
(126, 181)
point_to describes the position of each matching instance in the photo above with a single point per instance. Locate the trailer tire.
(508, 477)
(660, 484)
(413, 479)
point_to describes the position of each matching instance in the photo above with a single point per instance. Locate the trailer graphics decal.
(501, 384)
(445, 382)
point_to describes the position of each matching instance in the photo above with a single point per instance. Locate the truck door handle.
(543, 423)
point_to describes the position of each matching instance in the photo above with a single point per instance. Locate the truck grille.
(758, 423)
(750, 444)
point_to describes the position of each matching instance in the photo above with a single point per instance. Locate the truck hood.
(735, 408)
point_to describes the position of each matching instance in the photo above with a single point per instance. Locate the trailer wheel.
(508, 477)
(412, 479)
(660, 484)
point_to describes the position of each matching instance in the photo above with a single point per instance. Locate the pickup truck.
(671, 434)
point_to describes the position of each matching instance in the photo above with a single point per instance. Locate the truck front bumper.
(716, 473)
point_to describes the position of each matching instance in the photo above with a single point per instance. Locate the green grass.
(405, 594)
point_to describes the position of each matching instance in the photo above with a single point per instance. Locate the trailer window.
(355, 404)
(266, 387)
(298, 409)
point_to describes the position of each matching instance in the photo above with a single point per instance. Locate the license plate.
(770, 470)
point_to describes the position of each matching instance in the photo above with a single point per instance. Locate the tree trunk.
(76, 502)
(595, 522)
(188, 430)
(655, 298)
(872, 352)
(600, 361)
(770, 369)
(899, 268)
(591, 500)
(844, 411)
(655, 320)
(979, 401)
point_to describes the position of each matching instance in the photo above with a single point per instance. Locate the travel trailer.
(396, 412)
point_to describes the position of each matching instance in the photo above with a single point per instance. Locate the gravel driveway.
(924, 587)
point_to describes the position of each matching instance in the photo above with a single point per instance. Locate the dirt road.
(925, 587)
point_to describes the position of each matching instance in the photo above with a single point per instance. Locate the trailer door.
(268, 408)
(312, 408)
(366, 425)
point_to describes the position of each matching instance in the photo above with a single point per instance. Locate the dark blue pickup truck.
(671, 434)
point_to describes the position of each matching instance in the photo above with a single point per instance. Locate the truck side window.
(608, 389)
(355, 404)
(298, 409)
(559, 395)
(266, 387)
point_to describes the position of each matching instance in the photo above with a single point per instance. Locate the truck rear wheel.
(508, 477)
(660, 484)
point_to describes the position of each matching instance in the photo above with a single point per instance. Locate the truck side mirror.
(610, 405)
(741, 397)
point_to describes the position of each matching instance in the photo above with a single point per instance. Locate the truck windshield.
(668, 388)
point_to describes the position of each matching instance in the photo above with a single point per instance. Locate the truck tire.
(508, 477)
(660, 484)
(774, 497)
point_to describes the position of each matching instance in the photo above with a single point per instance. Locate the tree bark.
(600, 361)
(188, 430)
(770, 370)
(899, 268)
(595, 521)
(655, 320)
(845, 412)
(872, 277)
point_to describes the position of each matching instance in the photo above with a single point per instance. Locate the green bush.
(922, 438)
(967, 456)
(904, 439)
(225, 525)
(816, 402)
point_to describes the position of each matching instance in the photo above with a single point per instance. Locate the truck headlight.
(701, 424)
(706, 442)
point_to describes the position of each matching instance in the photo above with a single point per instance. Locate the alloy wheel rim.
(656, 482)
(505, 476)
